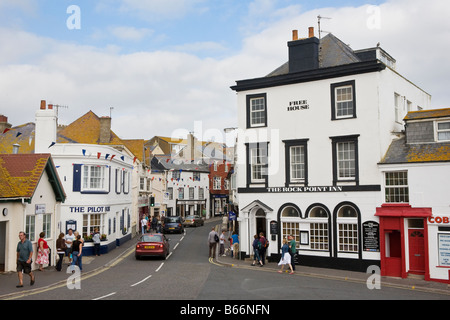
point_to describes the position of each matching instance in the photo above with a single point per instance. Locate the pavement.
(414, 283)
(93, 265)
(49, 278)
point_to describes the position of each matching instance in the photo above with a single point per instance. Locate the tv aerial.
(319, 17)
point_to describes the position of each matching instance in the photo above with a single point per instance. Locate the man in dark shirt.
(24, 255)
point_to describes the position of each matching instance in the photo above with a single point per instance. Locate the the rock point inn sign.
(304, 189)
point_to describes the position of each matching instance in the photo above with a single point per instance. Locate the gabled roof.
(20, 175)
(85, 129)
(22, 135)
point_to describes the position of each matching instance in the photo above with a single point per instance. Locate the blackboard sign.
(273, 227)
(371, 236)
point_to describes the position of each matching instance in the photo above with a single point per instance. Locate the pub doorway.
(261, 223)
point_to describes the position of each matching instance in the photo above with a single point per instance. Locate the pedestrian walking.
(42, 251)
(292, 250)
(213, 239)
(222, 244)
(285, 257)
(69, 238)
(143, 225)
(96, 240)
(256, 249)
(235, 252)
(77, 252)
(154, 223)
(262, 251)
(60, 250)
(24, 259)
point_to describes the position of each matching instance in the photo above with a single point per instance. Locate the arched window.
(290, 212)
(347, 223)
(290, 222)
(318, 228)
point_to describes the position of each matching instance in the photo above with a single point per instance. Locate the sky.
(164, 67)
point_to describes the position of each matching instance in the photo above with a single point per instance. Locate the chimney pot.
(50, 107)
(294, 35)
(311, 32)
(16, 147)
(43, 105)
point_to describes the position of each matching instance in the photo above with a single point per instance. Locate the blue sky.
(166, 65)
(168, 25)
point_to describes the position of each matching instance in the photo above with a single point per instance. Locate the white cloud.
(155, 93)
(130, 33)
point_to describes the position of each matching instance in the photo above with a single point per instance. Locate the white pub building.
(311, 136)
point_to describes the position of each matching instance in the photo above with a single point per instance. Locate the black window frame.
(334, 86)
(265, 168)
(287, 161)
(249, 117)
(334, 142)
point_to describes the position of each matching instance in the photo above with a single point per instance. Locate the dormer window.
(443, 131)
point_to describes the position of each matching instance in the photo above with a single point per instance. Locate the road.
(188, 275)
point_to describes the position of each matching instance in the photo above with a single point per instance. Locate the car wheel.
(137, 257)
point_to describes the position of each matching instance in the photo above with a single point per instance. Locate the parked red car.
(152, 245)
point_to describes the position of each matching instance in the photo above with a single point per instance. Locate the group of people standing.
(70, 245)
(260, 245)
(214, 239)
(148, 224)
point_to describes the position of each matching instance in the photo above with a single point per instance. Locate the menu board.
(371, 236)
(444, 249)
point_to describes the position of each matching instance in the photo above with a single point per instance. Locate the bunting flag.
(134, 160)
(84, 152)
(106, 156)
(112, 157)
(18, 134)
(98, 155)
(123, 158)
(51, 145)
(6, 130)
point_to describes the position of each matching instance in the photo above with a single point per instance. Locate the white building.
(31, 195)
(415, 218)
(311, 134)
(181, 186)
(97, 177)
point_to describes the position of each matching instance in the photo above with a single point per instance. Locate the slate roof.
(428, 114)
(333, 52)
(20, 175)
(164, 162)
(401, 152)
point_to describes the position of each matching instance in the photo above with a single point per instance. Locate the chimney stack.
(4, 123)
(105, 130)
(304, 53)
(45, 131)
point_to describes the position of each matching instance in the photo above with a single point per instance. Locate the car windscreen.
(191, 217)
(172, 220)
(151, 238)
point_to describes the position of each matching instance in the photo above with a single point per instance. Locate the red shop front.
(403, 240)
